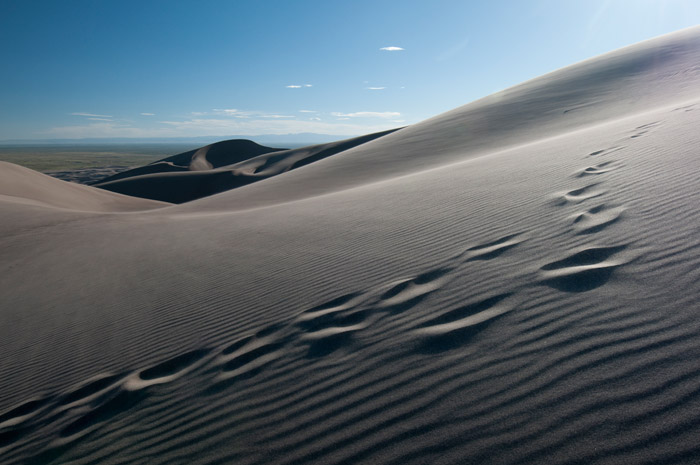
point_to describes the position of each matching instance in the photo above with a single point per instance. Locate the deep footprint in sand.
(406, 293)
(596, 219)
(454, 328)
(247, 356)
(579, 195)
(598, 169)
(582, 271)
(603, 152)
(493, 249)
(330, 326)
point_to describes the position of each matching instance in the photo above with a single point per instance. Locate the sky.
(102, 68)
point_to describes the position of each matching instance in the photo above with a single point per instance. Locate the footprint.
(596, 219)
(600, 168)
(123, 400)
(582, 271)
(247, 356)
(13, 423)
(644, 129)
(22, 412)
(579, 195)
(607, 151)
(406, 293)
(89, 390)
(649, 125)
(690, 107)
(493, 249)
(339, 304)
(328, 340)
(330, 326)
(455, 328)
(169, 370)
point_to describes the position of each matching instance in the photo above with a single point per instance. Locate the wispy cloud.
(391, 49)
(99, 119)
(227, 112)
(308, 85)
(369, 114)
(246, 114)
(308, 111)
(293, 86)
(93, 115)
(148, 114)
(375, 88)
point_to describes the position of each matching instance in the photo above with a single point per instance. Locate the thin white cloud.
(293, 86)
(391, 49)
(308, 111)
(277, 116)
(315, 118)
(375, 88)
(93, 115)
(308, 85)
(99, 119)
(219, 127)
(369, 114)
(148, 114)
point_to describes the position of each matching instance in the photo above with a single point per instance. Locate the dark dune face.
(220, 167)
(205, 158)
(513, 282)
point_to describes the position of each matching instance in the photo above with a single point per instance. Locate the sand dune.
(515, 281)
(179, 185)
(22, 185)
(205, 158)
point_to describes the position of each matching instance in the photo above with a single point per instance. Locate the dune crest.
(25, 186)
(512, 282)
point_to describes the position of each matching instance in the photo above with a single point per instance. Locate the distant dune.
(515, 281)
(219, 167)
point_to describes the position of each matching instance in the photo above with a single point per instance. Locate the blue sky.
(74, 69)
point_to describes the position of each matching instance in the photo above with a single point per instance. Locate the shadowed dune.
(512, 282)
(204, 158)
(205, 176)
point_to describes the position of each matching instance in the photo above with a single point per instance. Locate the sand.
(236, 163)
(514, 281)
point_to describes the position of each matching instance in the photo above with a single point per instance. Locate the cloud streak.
(391, 49)
(93, 115)
(369, 114)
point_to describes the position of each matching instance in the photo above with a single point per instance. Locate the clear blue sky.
(73, 69)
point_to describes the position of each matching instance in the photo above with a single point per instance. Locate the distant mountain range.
(300, 138)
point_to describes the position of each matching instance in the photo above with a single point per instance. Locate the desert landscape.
(515, 281)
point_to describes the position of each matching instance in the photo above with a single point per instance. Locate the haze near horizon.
(216, 68)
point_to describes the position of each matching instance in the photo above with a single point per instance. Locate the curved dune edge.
(204, 158)
(23, 185)
(531, 304)
(178, 185)
(605, 88)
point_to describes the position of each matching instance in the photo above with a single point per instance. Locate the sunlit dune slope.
(513, 282)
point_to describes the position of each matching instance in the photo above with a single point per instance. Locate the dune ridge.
(171, 183)
(512, 282)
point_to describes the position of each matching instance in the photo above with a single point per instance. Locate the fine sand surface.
(514, 281)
